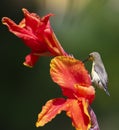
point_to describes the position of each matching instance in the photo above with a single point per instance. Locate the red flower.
(37, 34)
(74, 80)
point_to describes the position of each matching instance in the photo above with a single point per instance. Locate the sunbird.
(98, 73)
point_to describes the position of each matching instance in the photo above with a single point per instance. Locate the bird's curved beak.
(85, 60)
(89, 58)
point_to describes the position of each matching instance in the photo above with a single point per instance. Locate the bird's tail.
(107, 92)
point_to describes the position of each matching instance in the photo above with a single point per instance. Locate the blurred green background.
(82, 26)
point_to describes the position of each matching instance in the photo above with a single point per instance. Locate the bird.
(98, 73)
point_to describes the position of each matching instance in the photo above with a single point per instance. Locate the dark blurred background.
(82, 27)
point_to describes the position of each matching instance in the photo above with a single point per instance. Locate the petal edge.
(50, 110)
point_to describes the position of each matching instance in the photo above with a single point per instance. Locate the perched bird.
(98, 73)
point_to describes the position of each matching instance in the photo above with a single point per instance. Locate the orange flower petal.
(67, 71)
(85, 92)
(78, 112)
(50, 110)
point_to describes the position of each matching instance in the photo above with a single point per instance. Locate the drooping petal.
(67, 71)
(30, 60)
(78, 112)
(50, 110)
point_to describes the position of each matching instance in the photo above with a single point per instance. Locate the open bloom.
(37, 34)
(75, 83)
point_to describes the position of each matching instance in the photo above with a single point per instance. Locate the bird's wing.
(102, 74)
